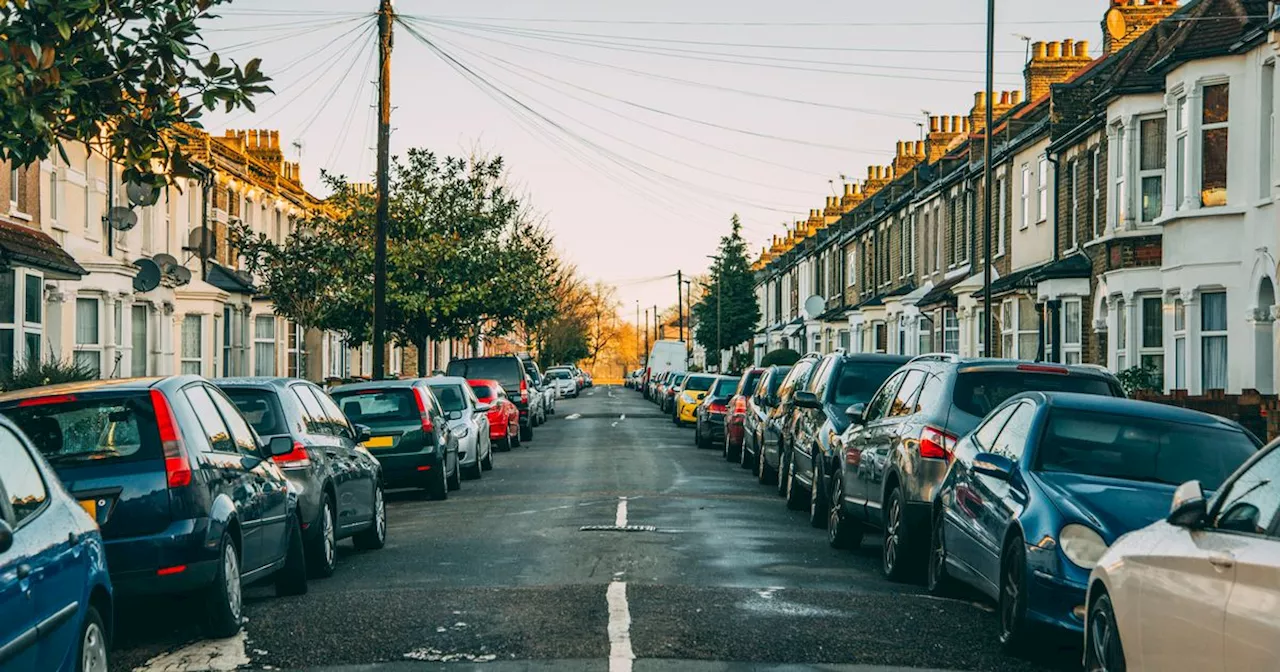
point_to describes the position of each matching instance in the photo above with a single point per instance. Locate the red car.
(504, 417)
(733, 426)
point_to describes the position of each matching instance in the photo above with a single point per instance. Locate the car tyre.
(1013, 598)
(513, 437)
(438, 488)
(764, 473)
(940, 583)
(454, 482)
(796, 500)
(842, 532)
(487, 462)
(817, 496)
(291, 579)
(896, 551)
(783, 467)
(375, 537)
(322, 552)
(224, 600)
(526, 431)
(93, 643)
(744, 458)
(1103, 650)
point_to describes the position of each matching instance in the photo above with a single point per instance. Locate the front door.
(351, 478)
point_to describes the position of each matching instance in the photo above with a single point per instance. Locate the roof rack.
(936, 357)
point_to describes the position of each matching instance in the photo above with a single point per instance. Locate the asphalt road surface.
(715, 574)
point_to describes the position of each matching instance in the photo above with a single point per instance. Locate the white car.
(468, 420)
(1198, 591)
(563, 381)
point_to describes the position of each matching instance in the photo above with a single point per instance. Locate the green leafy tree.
(727, 313)
(783, 357)
(127, 70)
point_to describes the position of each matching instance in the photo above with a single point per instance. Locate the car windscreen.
(977, 392)
(502, 369)
(748, 382)
(859, 381)
(375, 407)
(260, 407)
(1141, 449)
(725, 387)
(698, 383)
(95, 429)
(559, 374)
(676, 379)
(450, 397)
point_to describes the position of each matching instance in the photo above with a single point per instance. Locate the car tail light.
(427, 426)
(45, 401)
(936, 443)
(177, 466)
(717, 407)
(740, 405)
(295, 458)
(524, 391)
(1043, 368)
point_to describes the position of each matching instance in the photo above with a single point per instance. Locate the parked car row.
(1037, 485)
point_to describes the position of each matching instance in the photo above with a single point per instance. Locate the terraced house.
(1133, 214)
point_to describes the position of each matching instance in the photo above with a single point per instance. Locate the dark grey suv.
(898, 446)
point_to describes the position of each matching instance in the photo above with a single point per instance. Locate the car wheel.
(322, 552)
(841, 531)
(513, 436)
(764, 473)
(744, 458)
(476, 471)
(697, 435)
(455, 481)
(438, 488)
(895, 556)
(939, 582)
(1103, 651)
(796, 501)
(224, 601)
(375, 537)
(817, 498)
(291, 579)
(781, 478)
(526, 432)
(1013, 597)
(487, 462)
(93, 643)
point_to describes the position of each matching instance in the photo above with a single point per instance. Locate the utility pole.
(680, 303)
(719, 347)
(646, 329)
(386, 15)
(986, 183)
(645, 354)
(688, 296)
(657, 335)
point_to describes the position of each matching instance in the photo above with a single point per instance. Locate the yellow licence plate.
(90, 507)
(379, 442)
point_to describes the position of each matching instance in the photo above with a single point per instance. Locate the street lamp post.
(986, 184)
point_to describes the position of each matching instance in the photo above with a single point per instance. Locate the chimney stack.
(1127, 20)
(1002, 102)
(906, 157)
(1053, 63)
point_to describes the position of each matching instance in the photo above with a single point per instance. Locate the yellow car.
(689, 396)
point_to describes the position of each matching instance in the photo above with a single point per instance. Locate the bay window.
(843, 335)
(1151, 346)
(192, 344)
(1179, 345)
(924, 343)
(139, 329)
(1071, 331)
(950, 332)
(88, 352)
(1151, 164)
(1213, 341)
(1180, 125)
(1019, 329)
(1213, 137)
(264, 345)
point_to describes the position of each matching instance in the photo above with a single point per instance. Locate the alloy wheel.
(93, 649)
(1010, 597)
(231, 574)
(892, 530)
(937, 556)
(330, 540)
(379, 513)
(1103, 645)
(835, 508)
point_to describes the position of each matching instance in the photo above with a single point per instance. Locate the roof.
(112, 385)
(1076, 265)
(25, 246)
(1020, 279)
(901, 291)
(941, 292)
(225, 279)
(1146, 409)
(872, 302)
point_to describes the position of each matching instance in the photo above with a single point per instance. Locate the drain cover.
(617, 528)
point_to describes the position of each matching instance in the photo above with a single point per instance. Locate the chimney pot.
(934, 126)
(919, 148)
(1054, 51)
(1037, 51)
(1004, 97)
(1016, 97)
(848, 189)
(1082, 48)
(980, 99)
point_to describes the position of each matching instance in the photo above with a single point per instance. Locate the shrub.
(1140, 379)
(45, 373)
(783, 357)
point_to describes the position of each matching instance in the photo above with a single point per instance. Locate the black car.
(780, 424)
(409, 433)
(760, 399)
(339, 483)
(838, 382)
(186, 494)
(710, 413)
(507, 370)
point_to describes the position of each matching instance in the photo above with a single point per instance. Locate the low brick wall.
(1259, 413)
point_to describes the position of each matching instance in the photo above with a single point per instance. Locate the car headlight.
(461, 432)
(1082, 546)
(686, 398)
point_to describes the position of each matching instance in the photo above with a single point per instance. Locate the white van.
(666, 356)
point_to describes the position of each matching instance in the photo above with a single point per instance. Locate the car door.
(23, 497)
(886, 437)
(961, 513)
(269, 481)
(1001, 500)
(1251, 630)
(355, 490)
(809, 420)
(326, 436)
(862, 440)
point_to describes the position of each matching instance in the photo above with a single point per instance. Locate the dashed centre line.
(621, 518)
(621, 655)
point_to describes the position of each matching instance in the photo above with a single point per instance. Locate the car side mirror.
(483, 407)
(363, 433)
(455, 415)
(279, 445)
(805, 399)
(995, 466)
(1189, 507)
(857, 413)
(6, 536)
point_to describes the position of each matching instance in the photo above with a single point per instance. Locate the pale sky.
(625, 123)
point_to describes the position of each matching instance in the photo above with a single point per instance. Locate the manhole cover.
(617, 528)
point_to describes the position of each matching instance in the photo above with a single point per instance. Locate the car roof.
(967, 364)
(91, 386)
(256, 381)
(1094, 403)
(447, 380)
(397, 383)
(875, 357)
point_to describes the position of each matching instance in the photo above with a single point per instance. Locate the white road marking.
(622, 417)
(215, 655)
(620, 654)
(613, 424)
(575, 416)
(621, 519)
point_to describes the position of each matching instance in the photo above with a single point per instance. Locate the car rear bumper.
(734, 433)
(134, 563)
(715, 427)
(410, 470)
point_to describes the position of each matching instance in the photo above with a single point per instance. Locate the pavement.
(687, 564)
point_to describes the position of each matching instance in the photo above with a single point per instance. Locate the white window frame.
(185, 358)
(980, 332)
(86, 347)
(1120, 168)
(1267, 118)
(1002, 186)
(1097, 218)
(1072, 341)
(271, 341)
(1145, 350)
(1042, 189)
(851, 268)
(1150, 173)
(1206, 334)
(1179, 377)
(924, 330)
(1204, 129)
(1010, 329)
(293, 347)
(140, 350)
(967, 230)
(54, 189)
(950, 331)
(15, 185)
(939, 237)
(1025, 220)
(1181, 150)
(1122, 335)
(1073, 194)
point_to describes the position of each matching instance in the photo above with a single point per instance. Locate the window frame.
(1025, 220)
(1042, 189)
(183, 358)
(1068, 347)
(1179, 344)
(1267, 119)
(1181, 149)
(1157, 173)
(1146, 351)
(1205, 129)
(1120, 168)
(1206, 334)
(950, 331)
(99, 346)
(1122, 335)
(15, 186)
(1073, 196)
(1096, 219)
(1002, 186)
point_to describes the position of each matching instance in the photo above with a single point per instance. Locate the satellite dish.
(165, 261)
(1117, 26)
(180, 275)
(815, 306)
(148, 277)
(142, 195)
(121, 218)
(202, 242)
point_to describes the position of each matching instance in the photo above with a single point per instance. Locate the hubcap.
(1012, 593)
(93, 656)
(891, 535)
(231, 570)
(379, 513)
(938, 558)
(833, 514)
(1102, 634)
(329, 541)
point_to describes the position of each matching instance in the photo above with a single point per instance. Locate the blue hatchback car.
(55, 595)
(1040, 489)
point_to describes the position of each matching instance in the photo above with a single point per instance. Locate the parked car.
(898, 447)
(778, 426)
(504, 418)
(666, 356)
(540, 401)
(509, 372)
(537, 402)
(550, 395)
(1198, 590)
(686, 397)
(759, 403)
(838, 382)
(588, 380)
(562, 381)
(735, 419)
(409, 433)
(55, 595)
(468, 421)
(1048, 481)
(670, 388)
(339, 484)
(186, 495)
(709, 414)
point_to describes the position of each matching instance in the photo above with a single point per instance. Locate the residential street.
(503, 571)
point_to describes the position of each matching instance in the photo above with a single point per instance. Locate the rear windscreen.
(92, 430)
(502, 369)
(978, 392)
(749, 382)
(559, 375)
(482, 391)
(859, 381)
(261, 408)
(775, 381)
(450, 397)
(379, 406)
(725, 388)
(698, 383)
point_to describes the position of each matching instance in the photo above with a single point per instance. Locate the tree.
(602, 315)
(727, 313)
(126, 70)
(783, 357)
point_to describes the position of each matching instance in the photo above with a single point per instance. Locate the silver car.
(468, 421)
(563, 381)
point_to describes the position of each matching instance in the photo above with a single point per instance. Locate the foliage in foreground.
(26, 376)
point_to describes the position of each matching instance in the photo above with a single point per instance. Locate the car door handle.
(1222, 561)
(24, 571)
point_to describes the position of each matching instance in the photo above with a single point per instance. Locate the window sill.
(1192, 213)
(1261, 203)
(14, 213)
